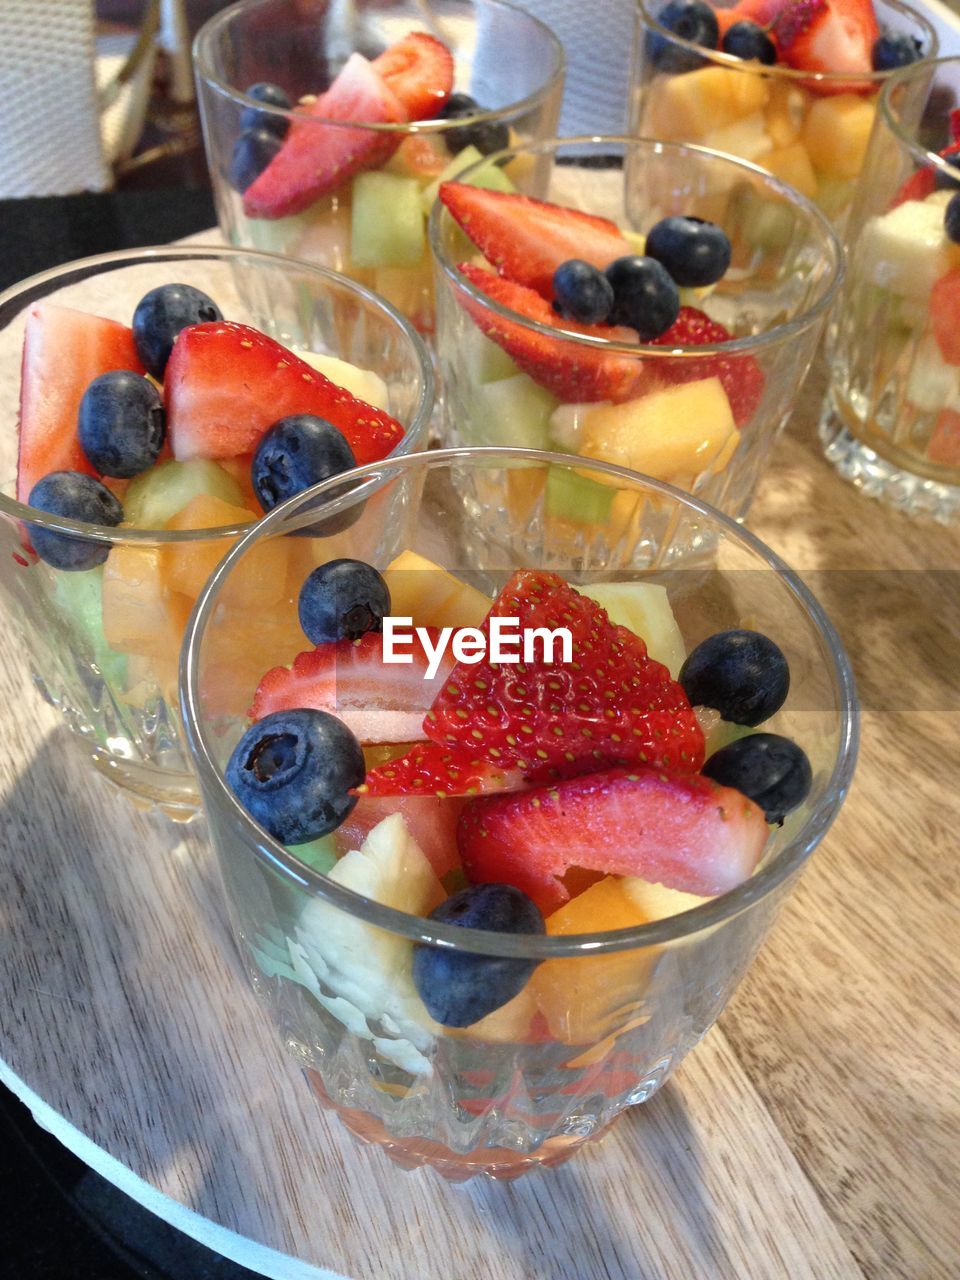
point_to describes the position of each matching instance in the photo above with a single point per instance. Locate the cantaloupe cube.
(186, 566)
(791, 164)
(836, 132)
(709, 98)
(422, 590)
(747, 138)
(784, 113)
(677, 431)
(140, 612)
(586, 999)
(239, 648)
(510, 1024)
(409, 289)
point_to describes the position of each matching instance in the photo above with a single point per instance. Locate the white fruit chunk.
(644, 609)
(360, 973)
(932, 383)
(906, 250)
(362, 383)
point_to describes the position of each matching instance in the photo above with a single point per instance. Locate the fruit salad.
(529, 799)
(788, 84)
(343, 169)
(163, 437)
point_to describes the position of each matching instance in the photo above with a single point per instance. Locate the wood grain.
(815, 1133)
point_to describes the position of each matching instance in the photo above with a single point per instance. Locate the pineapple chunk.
(836, 132)
(421, 590)
(905, 250)
(644, 609)
(362, 383)
(677, 431)
(791, 164)
(699, 102)
(784, 113)
(747, 138)
(931, 383)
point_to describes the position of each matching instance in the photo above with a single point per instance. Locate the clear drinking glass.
(809, 129)
(606, 1017)
(670, 421)
(891, 418)
(508, 61)
(103, 644)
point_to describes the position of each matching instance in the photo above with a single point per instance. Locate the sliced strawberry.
(572, 371)
(431, 821)
(420, 156)
(380, 701)
(226, 383)
(610, 705)
(63, 351)
(742, 377)
(431, 769)
(685, 832)
(419, 70)
(945, 315)
(839, 39)
(923, 182)
(785, 20)
(318, 156)
(527, 239)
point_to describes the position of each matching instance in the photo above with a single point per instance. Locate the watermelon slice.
(63, 351)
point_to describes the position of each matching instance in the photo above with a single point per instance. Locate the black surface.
(58, 1219)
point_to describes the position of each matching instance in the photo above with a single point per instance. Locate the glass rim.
(118, 536)
(272, 854)
(750, 343)
(208, 34)
(900, 76)
(755, 68)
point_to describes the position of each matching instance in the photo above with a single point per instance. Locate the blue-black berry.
(486, 135)
(121, 424)
(294, 770)
(252, 152)
(581, 292)
(694, 252)
(749, 40)
(159, 317)
(295, 453)
(645, 297)
(742, 674)
(951, 219)
(691, 20)
(343, 600)
(895, 49)
(460, 987)
(273, 96)
(77, 497)
(770, 770)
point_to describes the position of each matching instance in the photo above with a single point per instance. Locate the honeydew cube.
(701, 101)
(325, 237)
(387, 228)
(836, 132)
(746, 138)
(677, 431)
(577, 498)
(513, 411)
(484, 360)
(931, 382)
(277, 235)
(432, 597)
(490, 176)
(365, 384)
(791, 164)
(905, 250)
(160, 492)
(80, 597)
(784, 113)
(643, 608)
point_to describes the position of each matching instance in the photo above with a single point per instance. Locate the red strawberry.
(610, 705)
(945, 315)
(923, 182)
(573, 372)
(685, 832)
(527, 239)
(226, 383)
(419, 70)
(63, 351)
(318, 157)
(380, 701)
(742, 377)
(431, 821)
(839, 39)
(784, 19)
(431, 769)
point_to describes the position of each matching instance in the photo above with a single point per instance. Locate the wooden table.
(815, 1133)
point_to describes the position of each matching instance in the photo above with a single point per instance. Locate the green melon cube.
(573, 497)
(80, 597)
(513, 411)
(387, 227)
(158, 494)
(491, 176)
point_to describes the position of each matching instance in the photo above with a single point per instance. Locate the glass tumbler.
(368, 218)
(103, 643)
(809, 129)
(703, 417)
(607, 1014)
(891, 418)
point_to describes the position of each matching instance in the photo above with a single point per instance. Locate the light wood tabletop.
(815, 1132)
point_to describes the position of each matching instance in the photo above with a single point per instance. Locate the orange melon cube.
(186, 566)
(836, 132)
(791, 164)
(697, 102)
(585, 999)
(432, 597)
(141, 614)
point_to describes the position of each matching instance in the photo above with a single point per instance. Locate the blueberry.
(273, 96)
(252, 152)
(769, 769)
(951, 219)
(458, 104)
(895, 49)
(582, 292)
(741, 674)
(121, 425)
(695, 252)
(78, 497)
(159, 317)
(486, 135)
(342, 600)
(749, 40)
(691, 20)
(294, 770)
(942, 181)
(295, 453)
(644, 295)
(460, 987)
